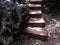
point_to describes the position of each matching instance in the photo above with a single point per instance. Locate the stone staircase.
(36, 24)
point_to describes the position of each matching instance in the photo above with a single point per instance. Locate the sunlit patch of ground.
(54, 29)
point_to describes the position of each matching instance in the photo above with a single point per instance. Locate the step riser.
(35, 16)
(35, 8)
(42, 38)
(36, 24)
(35, 2)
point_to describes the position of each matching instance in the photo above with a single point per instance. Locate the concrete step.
(35, 12)
(36, 22)
(34, 5)
(38, 31)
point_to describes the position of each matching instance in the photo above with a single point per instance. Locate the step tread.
(36, 20)
(34, 5)
(35, 12)
(36, 30)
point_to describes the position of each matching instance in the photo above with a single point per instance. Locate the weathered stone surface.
(35, 12)
(37, 31)
(34, 5)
